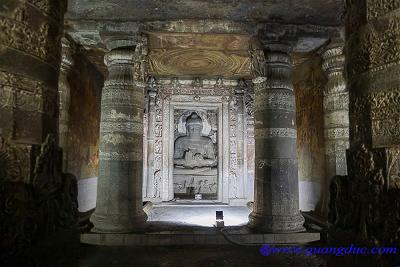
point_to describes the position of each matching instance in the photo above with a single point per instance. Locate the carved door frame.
(187, 102)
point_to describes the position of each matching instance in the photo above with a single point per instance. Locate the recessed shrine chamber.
(203, 142)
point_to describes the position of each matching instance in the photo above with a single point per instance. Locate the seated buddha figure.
(194, 150)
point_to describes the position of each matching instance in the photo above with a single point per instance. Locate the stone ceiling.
(320, 12)
(202, 38)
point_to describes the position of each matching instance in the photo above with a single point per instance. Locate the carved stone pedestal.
(276, 204)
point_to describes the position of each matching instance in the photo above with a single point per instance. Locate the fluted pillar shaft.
(276, 204)
(119, 192)
(336, 115)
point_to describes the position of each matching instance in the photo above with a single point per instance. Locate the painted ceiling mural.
(186, 54)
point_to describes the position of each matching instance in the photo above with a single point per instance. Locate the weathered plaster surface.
(309, 81)
(84, 118)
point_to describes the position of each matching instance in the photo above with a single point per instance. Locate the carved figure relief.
(140, 58)
(233, 149)
(194, 150)
(258, 62)
(195, 155)
(158, 145)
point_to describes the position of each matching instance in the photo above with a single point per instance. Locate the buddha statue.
(194, 150)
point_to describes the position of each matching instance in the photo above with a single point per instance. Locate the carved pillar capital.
(120, 56)
(67, 52)
(128, 50)
(279, 67)
(333, 57)
(273, 62)
(278, 47)
(117, 40)
(333, 65)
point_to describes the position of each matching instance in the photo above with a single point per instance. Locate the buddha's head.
(194, 125)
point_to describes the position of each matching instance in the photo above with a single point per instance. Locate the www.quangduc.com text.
(267, 250)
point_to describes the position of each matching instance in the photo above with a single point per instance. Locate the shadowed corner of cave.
(199, 133)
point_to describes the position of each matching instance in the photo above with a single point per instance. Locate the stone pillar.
(373, 54)
(276, 204)
(239, 94)
(30, 33)
(41, 196)
(64, 92)
(364, 204)
(151, 191)
(250, 142)
(234, 174)
(336, 115)
(119, 207)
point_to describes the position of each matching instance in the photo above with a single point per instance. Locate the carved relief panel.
(195, 153)
(200, 140)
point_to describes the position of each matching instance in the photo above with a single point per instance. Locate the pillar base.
(116, 223)
(276, 223)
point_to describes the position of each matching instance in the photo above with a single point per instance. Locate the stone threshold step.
(154, 239)
(191, 204)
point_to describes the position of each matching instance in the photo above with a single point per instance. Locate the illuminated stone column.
(336, 115)
(119, 206)
(30, 33)
(64, 92)
(276, 203)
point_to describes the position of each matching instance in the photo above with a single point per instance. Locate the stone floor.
(181, 256)
(193, 223)
(190, 213)
(227, 236)
(233, 254)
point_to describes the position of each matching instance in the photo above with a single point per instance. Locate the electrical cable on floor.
(225, 235)
(227, 238)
